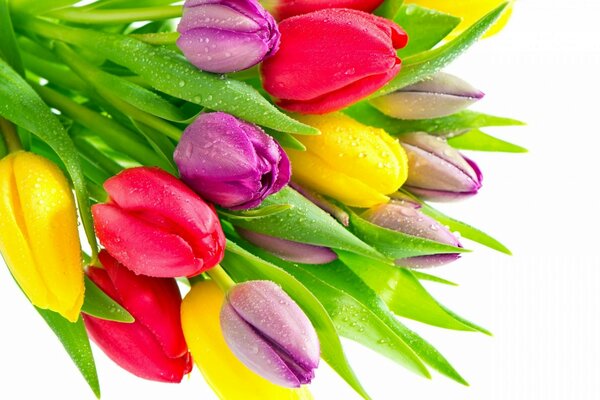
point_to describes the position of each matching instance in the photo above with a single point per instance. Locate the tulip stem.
(220, 277)
(117, 16)
(11, 137)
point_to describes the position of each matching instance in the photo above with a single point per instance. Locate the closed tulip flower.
(230, 162)
(270, 334)
(217, 363)
(153, 346)
(350, 162)
(38, 233)
(437, 171)
(226, 35)
(284, 9)
(468, 10)
(321, 64)
(406, 217)
(157, 226)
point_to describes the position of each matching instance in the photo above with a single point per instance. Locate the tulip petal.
(215, 16)
(285, 9)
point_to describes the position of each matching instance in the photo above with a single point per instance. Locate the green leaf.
(99, 305)
(286, 140)
(20, 104)
(427, 63)
(478, 140)
(305, 223)
(243, 266)
(250, 215)
(394, 244)
(463, 120)
(389, 8)
(425, 27)
(160, 143)
(422, 276)
(404, 294)
(36, 7)
(168, 72)
(8, 44)
(75, 340)
(466, 231)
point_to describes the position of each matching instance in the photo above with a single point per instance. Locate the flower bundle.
(274, 161)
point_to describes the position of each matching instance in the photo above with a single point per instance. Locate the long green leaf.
(75, 340)
(305, 223)
(99, 305)
(8, 44)
(428, 63)
(20, 104)
(422, 276)
(170, 73)
(389, 8)
(425, 27)
(463, 120)
(480, 141)
(243, 266)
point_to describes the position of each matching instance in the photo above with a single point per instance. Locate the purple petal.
(290, 251)
(435, 260)
(216, 16)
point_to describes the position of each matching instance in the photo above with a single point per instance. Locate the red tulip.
(153, 347)
(155, 225)
(332, 58)
(285, 9)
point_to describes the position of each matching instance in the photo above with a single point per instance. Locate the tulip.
(219, 366)
(437, 171)
(39, 239)
(350, 162)
(226, 35)
(437, 96)
(288, 250)
(406, 217)
(270, 334)
(282, 9)
(230, 162)
(153, 347)
(157, 226)
(469, 11)
(321, 65)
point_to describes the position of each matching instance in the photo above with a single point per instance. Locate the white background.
(542, 304)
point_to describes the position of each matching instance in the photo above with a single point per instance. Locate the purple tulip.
(437, 171)
(270, 334)
(226, 35)
(406, 217)
(288, 250)
(437, 96)
(230, 162)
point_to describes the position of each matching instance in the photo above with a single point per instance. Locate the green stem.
(220, 277)
(54, 73)
(157, 38)
(118, 16)
(11, 137)
(99, 157)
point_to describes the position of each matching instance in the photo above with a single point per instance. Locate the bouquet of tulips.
(272, 161)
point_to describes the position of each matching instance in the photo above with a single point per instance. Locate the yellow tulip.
(38, 233)
(226, 375)
(351, 162)
(469, 10)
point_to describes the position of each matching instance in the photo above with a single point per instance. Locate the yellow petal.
(226, 375)
(44, 224)
(469, 10)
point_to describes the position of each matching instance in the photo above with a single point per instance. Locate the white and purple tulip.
(231, 162)
(405, 217)
(437, 171)
(270, 334)
(225, 36)
(437, 96)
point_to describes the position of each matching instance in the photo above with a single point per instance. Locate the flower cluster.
(274, 162)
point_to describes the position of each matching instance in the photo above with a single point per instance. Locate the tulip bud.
(38, 233)
(350, 162)
(230, 162)
(155, 225)
(226, 35)
(288, 250)
(437, 171)
(153, 347)
(437, 96)
(321, 64)
(406, 217)
(282, 9)
(270, 334)
(219, 366)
